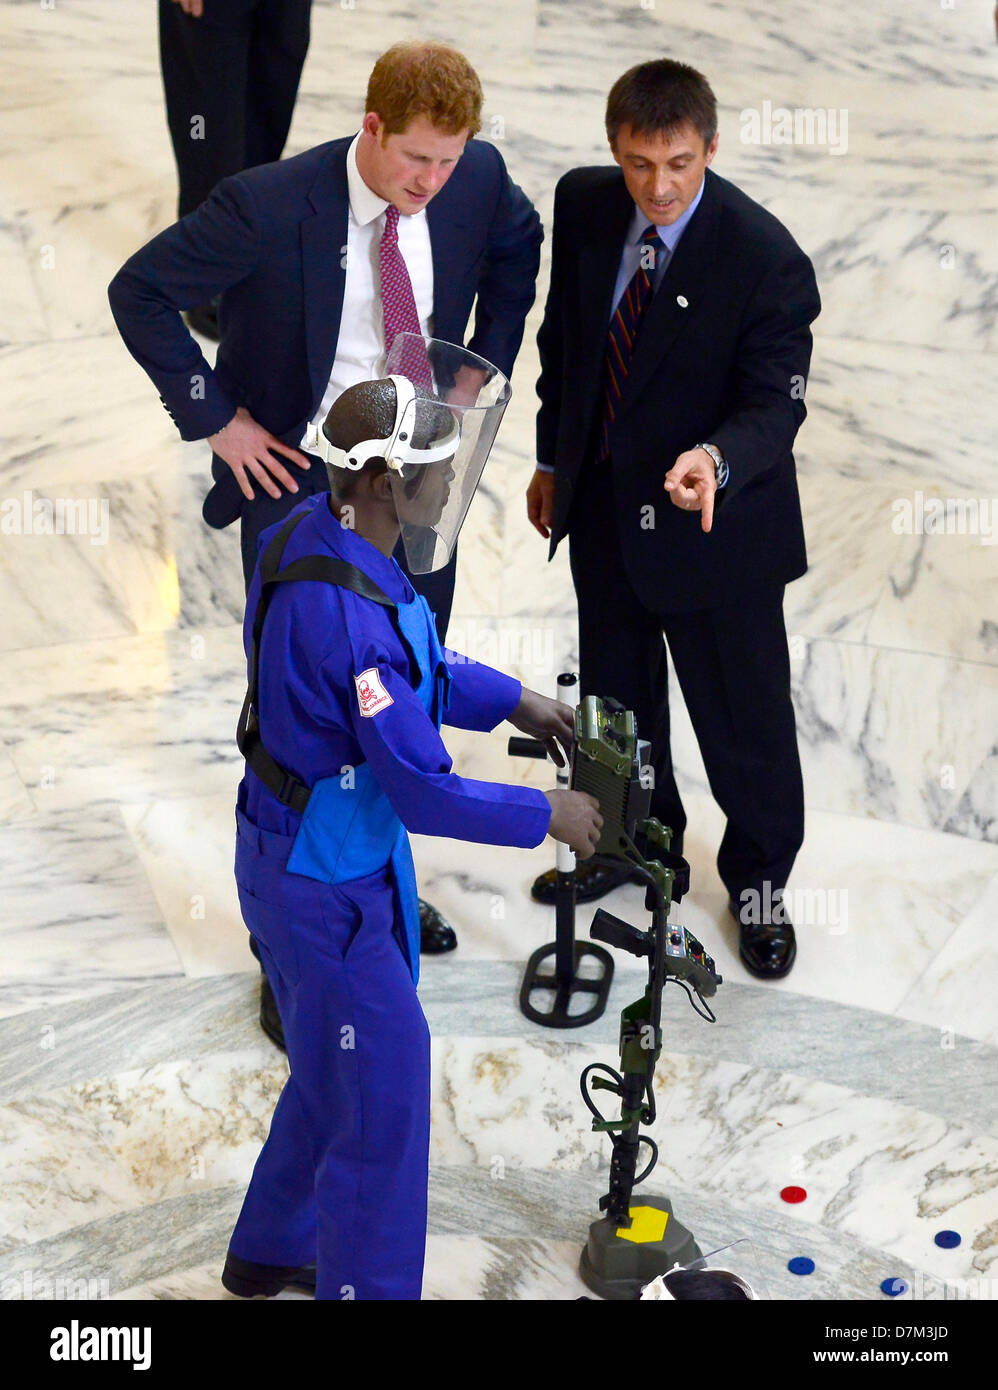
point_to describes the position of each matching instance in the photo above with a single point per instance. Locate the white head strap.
(397, 450)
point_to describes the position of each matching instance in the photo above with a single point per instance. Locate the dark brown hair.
(365, 410)
(425, 79)
(658, 97)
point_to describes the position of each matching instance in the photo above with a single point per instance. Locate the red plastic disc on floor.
(793, 1194)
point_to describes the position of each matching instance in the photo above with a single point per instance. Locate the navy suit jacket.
(272, 240)
(722, 358)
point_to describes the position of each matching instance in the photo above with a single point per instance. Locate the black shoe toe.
(767, 949)
(436, 935)
(594, 878)
(250, 1280)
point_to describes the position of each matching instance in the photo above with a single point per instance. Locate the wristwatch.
(720, 466)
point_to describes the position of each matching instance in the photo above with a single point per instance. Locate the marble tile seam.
(460, 614)
(181, 633)
(9, 345)
(687, 785)
(225, 1008)
(538, 1204)
(949, 657)
(825, 810)
(906, 347)
(899, 345)
(931, 967)
(109, 803)
(126, 1234)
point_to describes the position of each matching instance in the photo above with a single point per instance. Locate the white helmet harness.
(397, 449)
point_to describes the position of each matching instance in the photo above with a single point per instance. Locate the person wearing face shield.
(315, 263)
(348, 690)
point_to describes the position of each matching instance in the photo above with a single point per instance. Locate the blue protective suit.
(330, 899)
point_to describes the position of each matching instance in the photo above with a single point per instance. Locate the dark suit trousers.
(437, 588)
(733, 668)
(238, 68)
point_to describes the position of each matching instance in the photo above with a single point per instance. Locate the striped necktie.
(622, 334)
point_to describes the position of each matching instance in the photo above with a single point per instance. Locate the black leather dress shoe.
(270, 1019)
(436, 935)
(594, 878)
(250, 1280)
(768, 949)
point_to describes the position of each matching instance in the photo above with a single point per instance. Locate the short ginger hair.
(425, 79)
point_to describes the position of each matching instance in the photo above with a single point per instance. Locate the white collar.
(364, 202)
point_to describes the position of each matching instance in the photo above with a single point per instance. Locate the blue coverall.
(342, 1178)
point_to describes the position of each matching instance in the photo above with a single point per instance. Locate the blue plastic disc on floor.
(894, 1287)
(948, 1239)
(800, 1264)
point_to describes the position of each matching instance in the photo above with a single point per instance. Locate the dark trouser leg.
(621, 647)
(278, 45)
(266, 511)
(205, 65)
(733, 667)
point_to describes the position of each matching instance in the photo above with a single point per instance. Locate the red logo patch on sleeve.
(371, 694)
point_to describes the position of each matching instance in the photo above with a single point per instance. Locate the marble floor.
(135, 1085)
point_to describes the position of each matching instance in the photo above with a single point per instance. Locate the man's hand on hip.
(691, 483)
(540, 502)
(246, 448)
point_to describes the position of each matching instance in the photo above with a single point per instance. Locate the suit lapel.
(323, 248)
(448, 249)
(684, 280)
(599, 261)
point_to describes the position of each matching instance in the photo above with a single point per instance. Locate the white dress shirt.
(360, 346)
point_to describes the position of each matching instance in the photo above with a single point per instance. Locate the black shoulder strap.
(288, 789)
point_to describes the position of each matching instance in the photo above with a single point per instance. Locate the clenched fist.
(575, 820)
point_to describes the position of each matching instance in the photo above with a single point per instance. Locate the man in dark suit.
(674, 353)
(231, 70)
(296, 251)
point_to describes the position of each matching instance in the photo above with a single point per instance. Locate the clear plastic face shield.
(432, 418)
(449, 422)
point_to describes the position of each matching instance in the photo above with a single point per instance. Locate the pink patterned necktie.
(399, 303)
